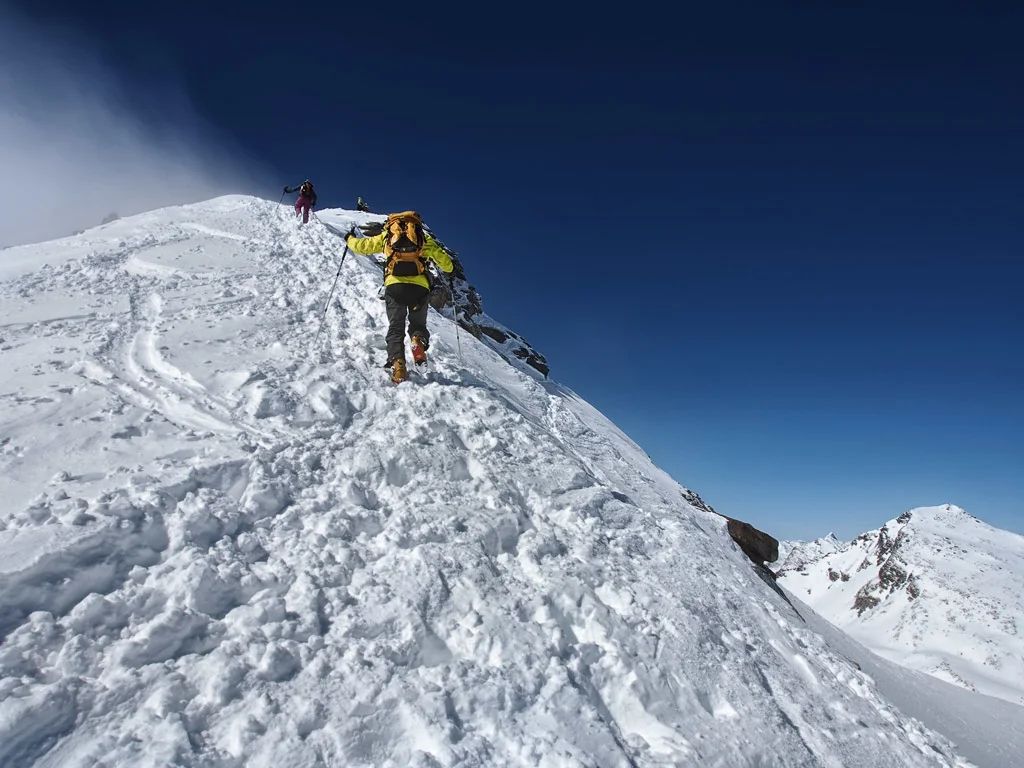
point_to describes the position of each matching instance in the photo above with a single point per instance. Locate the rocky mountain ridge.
(935, 589)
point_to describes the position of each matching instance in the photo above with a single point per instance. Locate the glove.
(286, 190)
(350, 233)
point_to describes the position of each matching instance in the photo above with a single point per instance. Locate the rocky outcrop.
(694, 500)
(757, 545)
(864, 601)
(471, 316)
(893, 572)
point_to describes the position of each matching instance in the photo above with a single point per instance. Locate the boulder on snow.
(757, 545)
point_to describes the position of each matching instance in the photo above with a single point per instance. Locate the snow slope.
(988, 731)
(936, 590)
(221, 547)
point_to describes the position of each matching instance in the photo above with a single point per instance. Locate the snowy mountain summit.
(935, 589)
(221, 546)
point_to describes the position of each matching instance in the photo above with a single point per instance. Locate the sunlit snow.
(222, 547)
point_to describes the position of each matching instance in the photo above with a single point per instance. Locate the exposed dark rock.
(833, 575)
(439, 297)
(884, 545)
(495, 334)
(695, 500)
(893, 575)
(913, 590)
(864, 601)
(757, 545)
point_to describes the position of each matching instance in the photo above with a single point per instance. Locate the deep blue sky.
(781, 248)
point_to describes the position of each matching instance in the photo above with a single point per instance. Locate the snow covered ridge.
(795, 555)
(935, 589)
(221, 547)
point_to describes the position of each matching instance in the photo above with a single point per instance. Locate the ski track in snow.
(220, 547)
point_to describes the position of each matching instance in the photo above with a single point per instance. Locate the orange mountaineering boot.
(398, 371)
(419, 351)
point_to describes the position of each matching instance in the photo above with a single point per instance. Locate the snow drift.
(221, 547)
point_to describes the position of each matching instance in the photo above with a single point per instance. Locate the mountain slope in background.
(936, 590)
(222, 547)
(989, 731)
(794, 555)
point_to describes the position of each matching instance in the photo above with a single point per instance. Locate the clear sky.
(781, 248)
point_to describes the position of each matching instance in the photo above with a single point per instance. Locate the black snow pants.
(401, 300)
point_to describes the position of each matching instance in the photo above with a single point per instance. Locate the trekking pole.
(327, 306)
(455, 315)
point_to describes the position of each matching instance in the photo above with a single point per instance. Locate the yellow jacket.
(368, 246)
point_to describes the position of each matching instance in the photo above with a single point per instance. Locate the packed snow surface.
(936, 590)
(223, 547)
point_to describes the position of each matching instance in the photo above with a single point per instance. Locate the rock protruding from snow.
(759, 546)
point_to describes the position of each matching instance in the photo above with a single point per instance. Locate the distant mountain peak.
(947, 513)
(934, 588)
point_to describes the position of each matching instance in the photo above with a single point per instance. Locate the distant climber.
(306, 201)
(362, 205)
(407, 249)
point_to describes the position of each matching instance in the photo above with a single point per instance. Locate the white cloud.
(73, 149)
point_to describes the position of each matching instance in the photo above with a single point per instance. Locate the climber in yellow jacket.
(407, 249)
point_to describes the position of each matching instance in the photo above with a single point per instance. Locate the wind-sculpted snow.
(221, 547)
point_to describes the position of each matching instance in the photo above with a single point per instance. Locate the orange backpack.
(404, 239)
